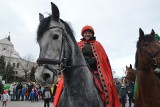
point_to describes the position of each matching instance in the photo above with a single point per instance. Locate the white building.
(12, 56)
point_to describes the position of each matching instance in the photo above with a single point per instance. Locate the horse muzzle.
(43, 76)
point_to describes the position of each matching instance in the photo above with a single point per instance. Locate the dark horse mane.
(44, 26)
(147, 38)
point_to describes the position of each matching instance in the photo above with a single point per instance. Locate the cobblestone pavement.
(25, 104)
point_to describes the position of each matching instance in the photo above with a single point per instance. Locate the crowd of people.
(27, 92)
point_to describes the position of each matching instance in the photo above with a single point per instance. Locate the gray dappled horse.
(59, 49)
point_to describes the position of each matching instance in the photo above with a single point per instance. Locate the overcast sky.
(116, 24)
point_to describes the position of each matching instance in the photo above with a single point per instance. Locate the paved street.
(25, 104)
(127, 104)
(29, 104)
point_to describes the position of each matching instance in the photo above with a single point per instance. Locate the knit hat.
(87, 27)
(5, 91)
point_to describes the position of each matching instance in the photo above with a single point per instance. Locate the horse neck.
(78, 68)
(143, 61)
(78, 76)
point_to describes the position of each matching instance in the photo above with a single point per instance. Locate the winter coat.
(5, 97)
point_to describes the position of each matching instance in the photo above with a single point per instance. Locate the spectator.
(36, 95)
(22, 94)
(26, 94)
(32, 95)
(1, 89)
(130, 91)
(12, 87)
(118, 86)
(47, 96)
(122, 94)
(5, 98)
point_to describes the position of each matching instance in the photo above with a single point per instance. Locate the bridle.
(154, 61)
(62, 62)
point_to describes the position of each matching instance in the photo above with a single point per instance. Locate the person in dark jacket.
(118, 86)
(47, 96)
(1, 89)
(130, 91)
(122, 94)
(22, 93)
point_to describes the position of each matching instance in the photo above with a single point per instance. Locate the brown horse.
(130, 73)
(146, 60)
(130, 80)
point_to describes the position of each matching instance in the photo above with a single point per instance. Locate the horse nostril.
(46, 76)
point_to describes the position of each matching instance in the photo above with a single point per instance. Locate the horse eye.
(55, 36)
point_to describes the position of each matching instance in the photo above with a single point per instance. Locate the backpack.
(47, 94)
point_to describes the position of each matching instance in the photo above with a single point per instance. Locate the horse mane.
(44, 26)
(147, 38)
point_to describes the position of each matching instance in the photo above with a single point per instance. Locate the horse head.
(54, 46)
(130, 73)
(148, 51)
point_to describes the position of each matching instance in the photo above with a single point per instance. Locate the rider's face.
(87, 34)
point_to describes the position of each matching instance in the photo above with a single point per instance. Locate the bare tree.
(32, 76)
(26, 65)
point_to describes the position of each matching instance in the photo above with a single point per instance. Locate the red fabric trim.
(99, 86)
(58, 92)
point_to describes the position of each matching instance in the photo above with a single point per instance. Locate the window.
(8, 64)
(15, 72)
(17, 65)
(14, 65)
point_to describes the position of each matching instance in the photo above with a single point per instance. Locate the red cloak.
(104, 70)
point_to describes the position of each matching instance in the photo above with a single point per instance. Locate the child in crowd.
(5, 98)
(36, 94)
(32, 95)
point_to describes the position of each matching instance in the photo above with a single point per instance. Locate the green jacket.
(135, 89)
(157, 37)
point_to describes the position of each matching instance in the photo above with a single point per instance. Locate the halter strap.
(154, 61)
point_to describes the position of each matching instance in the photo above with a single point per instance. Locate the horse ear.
(126, 67)
(141, 34)
(130, 66)
(152, 32)
(55, 12)
(41, 17)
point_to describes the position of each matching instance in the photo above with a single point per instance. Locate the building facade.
(20, 66)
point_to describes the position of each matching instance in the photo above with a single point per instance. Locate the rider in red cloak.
(99, 65)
